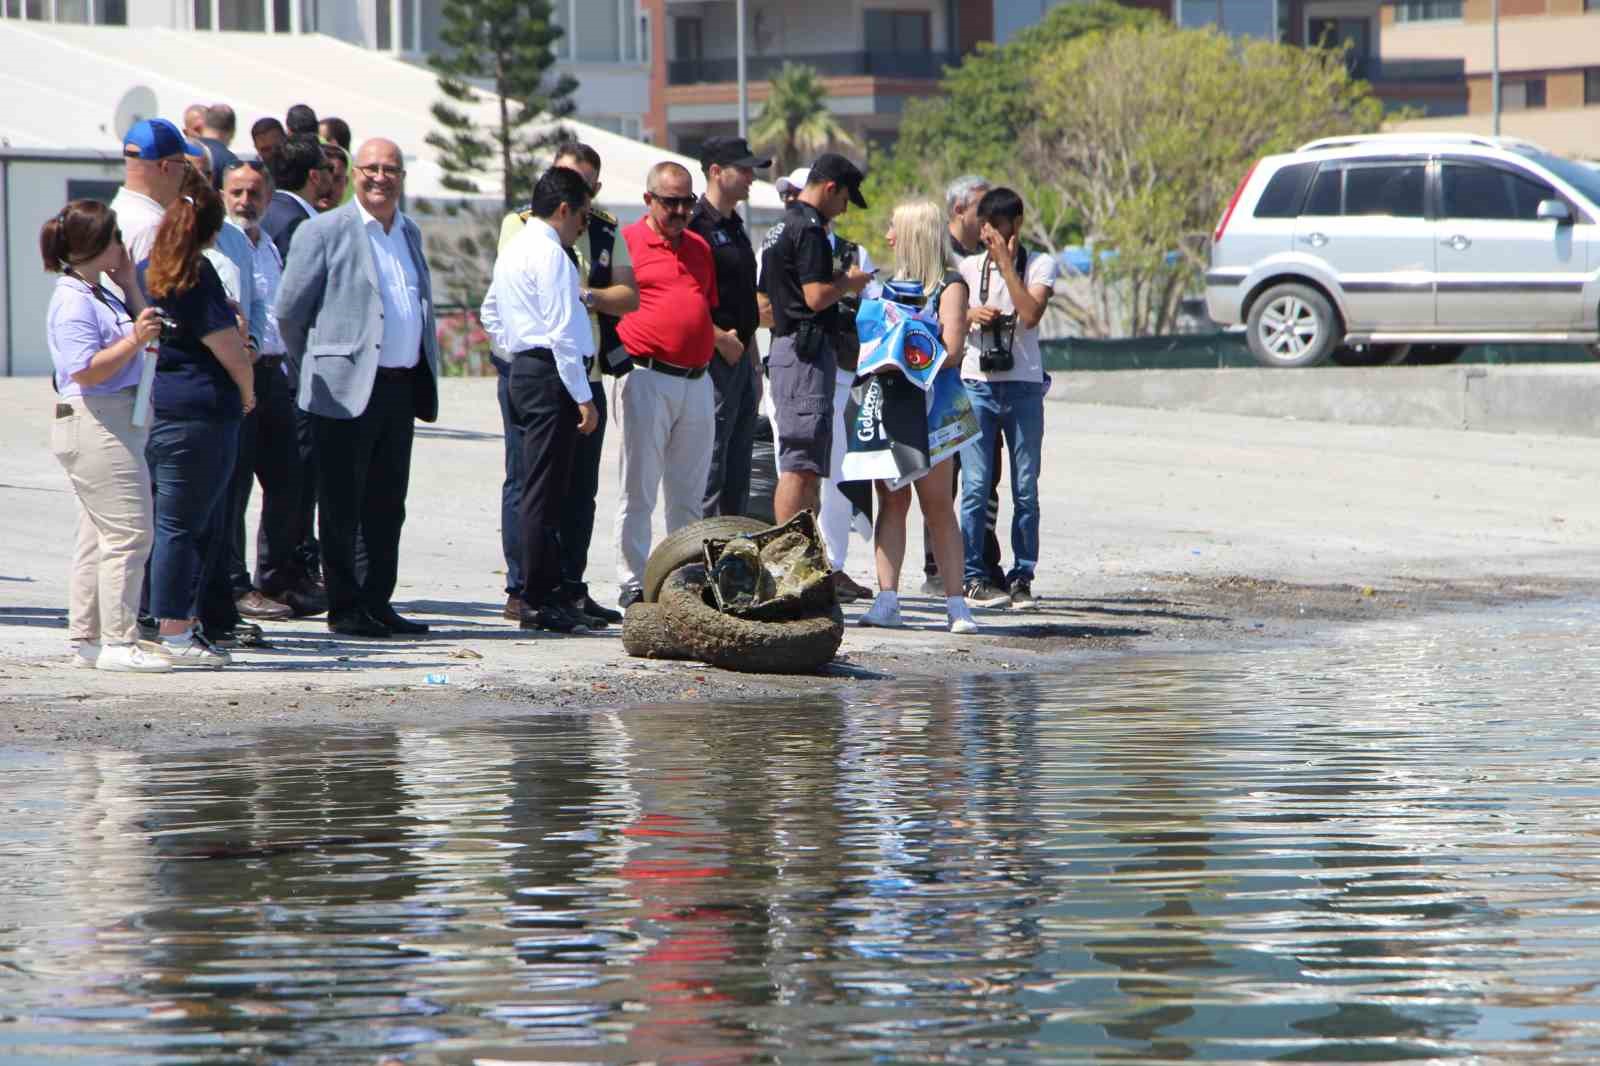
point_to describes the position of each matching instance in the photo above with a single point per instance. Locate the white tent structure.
(69, 89)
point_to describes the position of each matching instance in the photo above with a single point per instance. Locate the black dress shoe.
(552, 618)
(358, 623)
(306, 600)
(586, 605)
(396, 624)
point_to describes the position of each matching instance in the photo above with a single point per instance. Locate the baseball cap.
(796, 179)
(840, 171)
(731, 152)
(153, 138)
(194, 149)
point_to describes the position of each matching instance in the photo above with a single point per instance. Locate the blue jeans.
(1016, 409)
(191, 462)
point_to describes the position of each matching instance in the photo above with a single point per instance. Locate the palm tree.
(795, 123)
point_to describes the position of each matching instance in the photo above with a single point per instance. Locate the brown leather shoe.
(514, 609)
(256, 604)
(845, 590)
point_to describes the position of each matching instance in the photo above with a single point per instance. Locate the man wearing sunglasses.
(154, 162)
(668, 411)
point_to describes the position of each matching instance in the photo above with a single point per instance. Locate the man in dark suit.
(302, 174)
(356, 313)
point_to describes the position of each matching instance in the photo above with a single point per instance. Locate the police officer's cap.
(840, 171)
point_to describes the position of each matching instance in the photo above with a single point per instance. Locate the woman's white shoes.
(130, 659)
(964, 625)
(85, 654)
(881, 615)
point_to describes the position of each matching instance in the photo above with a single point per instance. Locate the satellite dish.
(136, 105)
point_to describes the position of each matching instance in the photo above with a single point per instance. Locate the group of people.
(671, 305)
(286, 306)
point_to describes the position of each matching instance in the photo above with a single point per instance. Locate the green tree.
(986, 105)
(1149, 162)
(507, 48)
(795, 123)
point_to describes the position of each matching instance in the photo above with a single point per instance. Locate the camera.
(171, 328)
(994, 345)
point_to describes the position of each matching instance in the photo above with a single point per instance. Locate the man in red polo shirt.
(668, 411)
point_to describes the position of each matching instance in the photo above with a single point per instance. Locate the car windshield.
(1585, 179)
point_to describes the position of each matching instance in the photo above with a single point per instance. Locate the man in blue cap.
(154, 162)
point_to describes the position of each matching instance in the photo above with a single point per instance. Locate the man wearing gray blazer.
(356, 312)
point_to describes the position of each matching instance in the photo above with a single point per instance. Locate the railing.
(828, 64)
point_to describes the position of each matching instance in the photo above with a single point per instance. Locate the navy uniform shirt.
(802, 254)
(735, 261)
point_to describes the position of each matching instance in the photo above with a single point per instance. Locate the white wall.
(31, 192)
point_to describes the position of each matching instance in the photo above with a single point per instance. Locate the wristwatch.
(586, 297)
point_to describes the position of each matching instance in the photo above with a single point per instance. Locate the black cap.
(840, 171)
(730, 152)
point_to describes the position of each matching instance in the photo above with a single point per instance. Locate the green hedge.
(1212, 350)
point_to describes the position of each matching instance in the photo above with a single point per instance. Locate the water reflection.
(1375, 850)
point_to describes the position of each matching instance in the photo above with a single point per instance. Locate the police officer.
(609, 292)
(730, 168)
(800, 279)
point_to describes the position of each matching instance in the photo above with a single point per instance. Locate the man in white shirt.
(1003, 369)
(535, 314)
(154, 163)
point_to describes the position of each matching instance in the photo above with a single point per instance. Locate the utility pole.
(1494, 73)
(743, 74)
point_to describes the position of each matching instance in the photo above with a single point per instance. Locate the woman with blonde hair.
(916, 233)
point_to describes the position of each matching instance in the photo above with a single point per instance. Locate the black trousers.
(577, 513)
(308, 552)
(548, 418)
(364, 472)
(738, 398)
(991, 543)
(269, 452)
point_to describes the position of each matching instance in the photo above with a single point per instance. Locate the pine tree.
(507, 46)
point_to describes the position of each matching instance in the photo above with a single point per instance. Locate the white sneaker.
(967, 625)
(881, 615)
(85, 653)
(197, 651)
(130, 659)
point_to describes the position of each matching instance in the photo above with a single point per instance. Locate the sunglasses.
(675, 203)
(254, 164)
(382, 170)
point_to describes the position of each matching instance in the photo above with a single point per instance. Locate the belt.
(542, 354)
(672, 370)
(395, 373)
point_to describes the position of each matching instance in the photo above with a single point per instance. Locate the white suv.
(1388, 247)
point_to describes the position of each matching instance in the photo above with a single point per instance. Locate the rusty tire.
(645, 634)
(705, 633)
(687, 546)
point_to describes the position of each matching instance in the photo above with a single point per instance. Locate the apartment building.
(605, 46)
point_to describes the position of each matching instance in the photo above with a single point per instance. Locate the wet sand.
(1161, 531)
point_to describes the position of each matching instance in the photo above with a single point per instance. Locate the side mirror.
(1554, 211)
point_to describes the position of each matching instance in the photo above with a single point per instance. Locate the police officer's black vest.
(602, 250)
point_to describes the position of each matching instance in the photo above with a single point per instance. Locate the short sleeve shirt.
(802, 254)
(79, 325)
(1027, 359)
(735, 260)
(677, 290)
(190, 382)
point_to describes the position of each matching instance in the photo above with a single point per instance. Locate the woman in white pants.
(916, 234)
(95, 340)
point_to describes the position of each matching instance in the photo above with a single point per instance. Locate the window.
(1390, 189)
(282, 16)
(1426, 10)
(645, 41)
(112, 12)
(1591, 86)
(202, 14)
(385, 28)
(1522, 95)
(687, 41)
(597, 32)
(1471, 191)
(242, 15)
(898, 31)
(1393, 189)
(72, 10)
(1286, 190)
(1237, 18)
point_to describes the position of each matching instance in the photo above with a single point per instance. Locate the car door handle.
(1458, 242)
(1316, 240)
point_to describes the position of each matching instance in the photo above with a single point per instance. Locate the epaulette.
(595, 214)
(525, 215)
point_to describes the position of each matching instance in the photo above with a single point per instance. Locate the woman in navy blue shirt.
(204, 385)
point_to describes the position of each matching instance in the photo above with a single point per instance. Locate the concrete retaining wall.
(1561, 400)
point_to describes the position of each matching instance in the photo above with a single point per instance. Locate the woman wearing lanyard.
(204, 386)
(95, 340)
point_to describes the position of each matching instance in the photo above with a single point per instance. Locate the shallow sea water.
(1381, 847)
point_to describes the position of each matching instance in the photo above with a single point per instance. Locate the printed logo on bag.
(605, 257)
(917, 349)
(868, 426)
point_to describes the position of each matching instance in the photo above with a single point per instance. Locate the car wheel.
(1435, 354)
(1293, 325)
(1371, 354)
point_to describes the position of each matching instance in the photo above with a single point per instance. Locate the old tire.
(1293, 325)
(645, 634)
(685, 546)
(705, 633)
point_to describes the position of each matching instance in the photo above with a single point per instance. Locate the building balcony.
(929, 65)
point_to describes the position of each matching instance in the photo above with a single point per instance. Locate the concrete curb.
(1553, 400)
